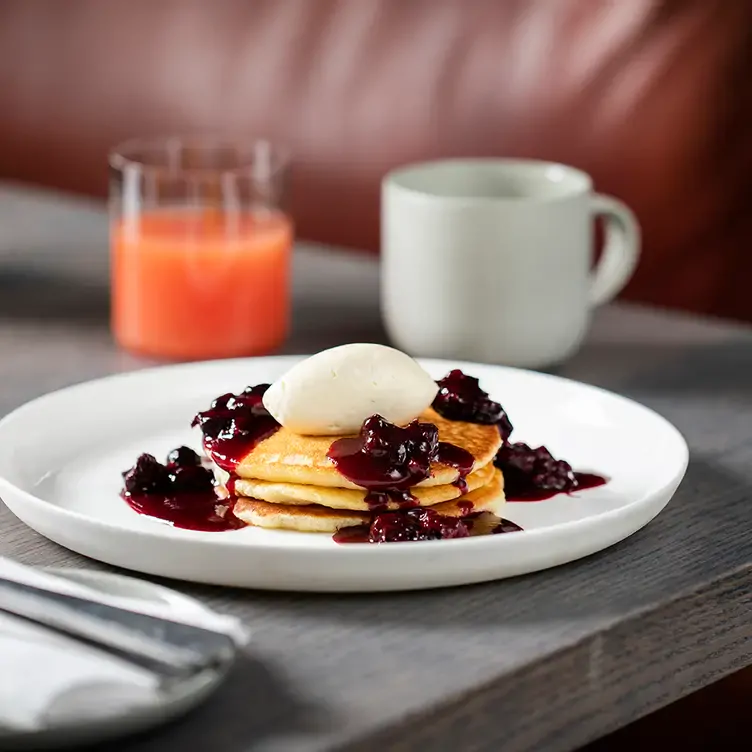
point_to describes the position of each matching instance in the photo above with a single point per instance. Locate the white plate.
(182, 696)
(61, 458)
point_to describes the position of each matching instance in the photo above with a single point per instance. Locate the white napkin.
(47, 678)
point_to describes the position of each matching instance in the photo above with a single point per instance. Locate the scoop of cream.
(334, 391)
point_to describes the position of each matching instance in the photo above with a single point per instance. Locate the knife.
(172, 650)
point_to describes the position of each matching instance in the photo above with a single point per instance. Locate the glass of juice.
(201, 244)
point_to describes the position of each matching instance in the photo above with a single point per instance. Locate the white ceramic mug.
(492, 259)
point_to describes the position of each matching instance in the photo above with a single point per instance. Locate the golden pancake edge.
(350, 498)
(287, 457)
(313, 518)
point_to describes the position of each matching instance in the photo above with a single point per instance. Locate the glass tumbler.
(200, 244)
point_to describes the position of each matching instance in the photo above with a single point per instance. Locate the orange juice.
(195, 284)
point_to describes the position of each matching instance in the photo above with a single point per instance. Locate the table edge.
(596, 700)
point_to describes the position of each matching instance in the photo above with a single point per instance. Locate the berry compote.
(461, 398)
(388, 460)
(534, 474)
(422, 525)
(181, 492)
(415, 525)
(529, 474)
(234, 425)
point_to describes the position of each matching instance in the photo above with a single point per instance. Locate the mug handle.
(621, 251)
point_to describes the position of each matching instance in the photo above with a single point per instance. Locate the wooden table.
(543, 662)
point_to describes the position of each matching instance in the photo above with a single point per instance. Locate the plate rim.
(200, 538)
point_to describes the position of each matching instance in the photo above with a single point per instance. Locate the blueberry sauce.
(388, 460)
(352, 534)
(461, 398)
(506, 526)
(529, 474)
(421, 525)
(487, 523)
(588, 480)
(234, 425)
(402, 526)
(458, 458)
(535, 475)
(181, 492)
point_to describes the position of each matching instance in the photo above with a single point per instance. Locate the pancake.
(349, 498)
(287, 457)
(313, 518)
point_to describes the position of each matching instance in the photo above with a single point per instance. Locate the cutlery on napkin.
(122, 653)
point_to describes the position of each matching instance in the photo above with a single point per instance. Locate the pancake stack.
(287, 481)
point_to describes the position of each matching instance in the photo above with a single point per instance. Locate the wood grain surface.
(547, 661)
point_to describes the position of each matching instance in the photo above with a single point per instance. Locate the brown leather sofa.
(654, 97)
